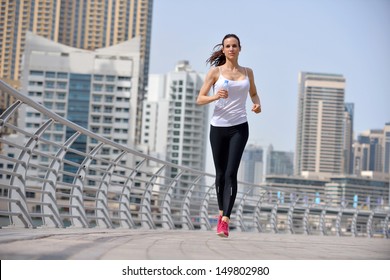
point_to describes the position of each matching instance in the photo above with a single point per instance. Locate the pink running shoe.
(224, 230)
(219, 224)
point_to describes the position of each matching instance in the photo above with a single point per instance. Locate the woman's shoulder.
(214, 70)
(213, 73)
(247, 69)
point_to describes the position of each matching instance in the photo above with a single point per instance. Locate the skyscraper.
(18, 17)
(174, 126)
(320, 134)
(92, 24)
(251, 167)
(279, 162)
(78, 85)
(84, 24)
(372, 151)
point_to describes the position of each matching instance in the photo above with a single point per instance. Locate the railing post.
(102, 211)
(7, 114)
(339, 216)
(386, 227)
(185, 208)
(124, 208)
(290, 214)
(204, 217)
(18, 182)
(49, 189)
(369, 224)
(354, 223)
(145, 210)
(166, 214)
(274, 216)
(240, 212)
(79, 217)
(323, 215)
(306, 229)
(257, 212)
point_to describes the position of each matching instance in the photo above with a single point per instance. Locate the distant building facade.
(83, 24)
(320, 128)
(251, 167)
(77, 85)
(174, 127)
(371, 151)
(279, 162)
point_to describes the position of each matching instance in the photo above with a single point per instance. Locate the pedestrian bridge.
(49, 184)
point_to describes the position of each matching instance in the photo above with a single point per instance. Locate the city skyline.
(350, 39)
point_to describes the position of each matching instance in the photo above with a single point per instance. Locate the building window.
(97, 87)
(36, 73)
(98, 77)
(109, 88)
(107, 109)
(62, 75)
(110, 78)
(97, 98)
(61, 85)
(49, 84)
(108, 98)
(50, 74)
(30, 194)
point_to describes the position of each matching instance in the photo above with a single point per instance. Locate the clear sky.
(279, 39)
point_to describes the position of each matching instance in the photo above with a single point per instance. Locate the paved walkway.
(120, 244)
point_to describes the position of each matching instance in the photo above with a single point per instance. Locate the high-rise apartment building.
(251, 167)
(77, 85)
(83, 24)
(6, 101)
(174, 126)
(320, 133)
(372, 151)
(93, 24)
(18, 17)
(279, 162)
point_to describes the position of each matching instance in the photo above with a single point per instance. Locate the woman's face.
(231, 47)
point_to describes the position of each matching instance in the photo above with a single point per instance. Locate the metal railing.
(49, 182)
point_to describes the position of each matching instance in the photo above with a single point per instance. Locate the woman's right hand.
(222, 93)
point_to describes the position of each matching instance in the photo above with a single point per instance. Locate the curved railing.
(46, 182)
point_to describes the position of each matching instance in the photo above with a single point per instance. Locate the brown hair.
(218, 58)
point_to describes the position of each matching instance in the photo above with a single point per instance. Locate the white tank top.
(231, 111)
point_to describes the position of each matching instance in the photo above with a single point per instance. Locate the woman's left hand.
(256, 108)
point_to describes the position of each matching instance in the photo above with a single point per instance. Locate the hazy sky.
(279, 39)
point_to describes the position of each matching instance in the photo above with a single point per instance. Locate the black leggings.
(227, 145)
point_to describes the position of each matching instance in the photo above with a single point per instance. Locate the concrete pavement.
(122, 244)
